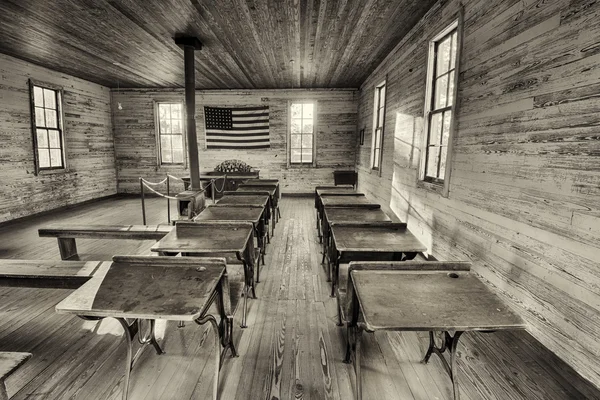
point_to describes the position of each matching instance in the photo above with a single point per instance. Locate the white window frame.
(158, 135)
(314, 134)
(378, 108)
(441, 186)
(59, 99)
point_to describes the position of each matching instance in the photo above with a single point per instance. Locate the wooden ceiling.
(248, 44)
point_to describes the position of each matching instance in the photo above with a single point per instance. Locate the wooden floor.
(292, 348)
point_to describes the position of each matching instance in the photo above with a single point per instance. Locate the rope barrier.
(222, 186)
(175, 177)
(153, 183)
(159, 193)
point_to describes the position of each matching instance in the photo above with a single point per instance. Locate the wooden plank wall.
(89, 143)
(135, 136)
(524, 202)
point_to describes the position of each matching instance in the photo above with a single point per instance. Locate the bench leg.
(67, 248)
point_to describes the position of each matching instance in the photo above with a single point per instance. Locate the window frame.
(441, 186)
(312, 164)
(377, 107)
(60, 122)
(159, 161)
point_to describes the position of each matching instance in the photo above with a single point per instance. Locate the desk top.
(172, 288)
(206, 237)
(351, 214)
(261, 182)
(245, 199)
(271, 189)
(430, 301)
(383, 237)
(231, 213)
(345, 201)
(337, 192)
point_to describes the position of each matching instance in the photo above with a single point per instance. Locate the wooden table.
(215, 238)
(340, 199)
(273, 190)
(263, 182)
(252, 214)
(149, 288)
(349, 215)
(374, 241)
(428, 296)
(241, 198)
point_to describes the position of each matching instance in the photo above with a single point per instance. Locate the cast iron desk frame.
(388, 241)
(246, 199)
(114, 276)
(198, 244)
(491, 313)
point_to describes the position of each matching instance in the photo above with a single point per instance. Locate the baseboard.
(63, 208)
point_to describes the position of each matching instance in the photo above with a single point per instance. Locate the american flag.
(237, 128)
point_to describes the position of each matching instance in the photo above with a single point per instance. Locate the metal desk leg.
(213, 322)
(449, 343)
(131, 331)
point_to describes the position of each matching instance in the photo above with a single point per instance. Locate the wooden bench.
(67, 234)
(9, 363)
(46, 274)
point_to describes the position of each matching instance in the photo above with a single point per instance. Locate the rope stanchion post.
(168, 200)
(212, 190)
(143, 203)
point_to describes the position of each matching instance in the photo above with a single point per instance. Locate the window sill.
(43, 172)
(301, 166)
(172, 166)
(431, 186)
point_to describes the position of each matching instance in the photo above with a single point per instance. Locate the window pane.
(443, 56)
(164, 111)
(296, 141)
(307, 126)
(177, 142)
(377, 138)
(51, 119)
(308, 110)
(307, 141)
(446, 127)
(55, 158)
(376, 158)
(296, 155)
(38, 96)
(454, 48)
(49, 99)
(382, 96)
(451, 88)
(441, 87)
(296, 110)
(432, 161)
(42, 138)
(178, 156)
(39, 117)
(435, 129)
(176, 111)
(165, 126)
(54, 139)
(43, 158)
(444, 151)
(296, 125)
(176, 126)
(306, 156)
(165, 148)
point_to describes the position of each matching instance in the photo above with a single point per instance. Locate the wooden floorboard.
(292, 348)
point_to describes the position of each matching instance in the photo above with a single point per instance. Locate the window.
(378, 126)
(440, 101)
(48, 133)
(170, 128)
(302, 133)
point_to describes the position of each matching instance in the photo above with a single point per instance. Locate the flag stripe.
(242, 131)
(246, 140)
(240, 146)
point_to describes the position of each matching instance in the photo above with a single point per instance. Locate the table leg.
(335, 272)
(131, 331)
(449, 343)
(67, 248)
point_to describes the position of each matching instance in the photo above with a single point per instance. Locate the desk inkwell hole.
(453, 275)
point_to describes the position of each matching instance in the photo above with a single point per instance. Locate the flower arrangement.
(233, 166)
